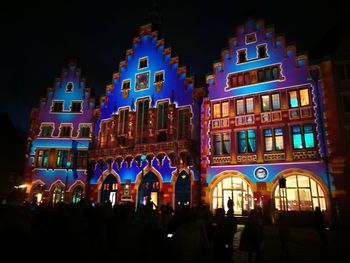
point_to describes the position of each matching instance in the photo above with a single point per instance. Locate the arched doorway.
(302, 193)
(149, 188)
(57, 194)
(78, 194)
(109, 190)
(183, 189)
(238, 190)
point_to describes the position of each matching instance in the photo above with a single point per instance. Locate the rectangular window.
(297, 137)
(42, 158)
(62, 158)
(279, 143)
(162, 115)
(246, 141)
(265, 103)
(126, 84)
(76, 106)
(217, 144)
(184, 124)
(142, 118)
(267, 72)
(242, 57)
(222, 144)
(276, 103)
(84, 131)
(123, 121)
(240, 107)
(46, 131)
(304, 97)
(225, 109)
(57, 106)
(143, 63)
(309, 138)
(262, 51)
(240, 80)
(246, 78)
(249, 104)
(217, 110)
(234, 81)
(261, 76)
(65, 131)
(293, 99)
(82, 159)
(275, 73)
(159, 77)
(268, 140)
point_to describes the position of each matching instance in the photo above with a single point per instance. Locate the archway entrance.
(37, 193)
(57, 194)
(149, 188)
(78, 194)
(183, 189)
(302, 193)
(238, 190)
(109, 190)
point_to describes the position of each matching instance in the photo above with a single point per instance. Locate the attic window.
(250, 38)
(159, 76)
(69, 87)
(262, 51)
(126, 84)
(242, 56)
(143, 63)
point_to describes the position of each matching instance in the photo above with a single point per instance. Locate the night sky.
(39, 38)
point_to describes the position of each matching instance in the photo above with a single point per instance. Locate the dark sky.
(39, 38)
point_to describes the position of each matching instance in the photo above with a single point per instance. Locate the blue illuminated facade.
(145, 131)
(62, 119)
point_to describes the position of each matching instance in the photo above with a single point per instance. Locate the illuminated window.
(240, 80)
(126, 84)
(293, 99)
(123, 121)
(62, 158)
(246, 78)
(184, 124)
(143, 63)
(276, 103)
(57, 194)
(275, 73)
(162, 115)
(57, 106)
(246, 141)
(242, 56)
(240, 107)
(225, 109)
(238, 190)
(42, 158)
(267, 72)
(76, 106)
(65, 131)
(142, 119)
(302, 193)
(303, 136)
(304, 97)
(273, 140)
(261, 76)
(159, 76)
(265, 103)
(222, 144)
(46, 130)
(249, 104)
(262, 51)
(217, 110)
(77, 194)
(84, 131)
(69, 87)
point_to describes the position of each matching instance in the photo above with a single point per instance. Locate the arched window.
(78, 194)
(302, 193)
(69, 87)
(57, 194)
(238, 190)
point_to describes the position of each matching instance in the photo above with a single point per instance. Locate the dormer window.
(250, 38)
(262, 51)
(69, 87)
(76, 106)
(143, 63)
(84, 131)
(242, 56)
(57, 106)
(159, 77)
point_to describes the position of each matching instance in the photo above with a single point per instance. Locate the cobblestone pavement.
(304, 246)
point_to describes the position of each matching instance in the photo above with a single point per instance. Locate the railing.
(274, 156)
(247, 158)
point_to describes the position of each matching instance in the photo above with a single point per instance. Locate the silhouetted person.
(319, 224)
(230, 204)
(284, 234)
